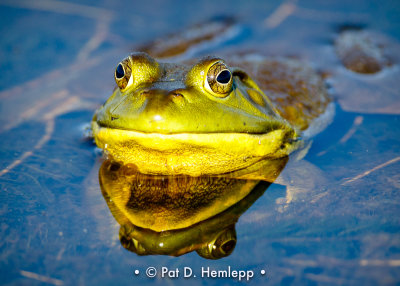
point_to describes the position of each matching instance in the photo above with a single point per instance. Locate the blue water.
(56, 227)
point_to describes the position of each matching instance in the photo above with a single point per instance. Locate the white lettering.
(165, 272)
(187, 272)
(205, 272)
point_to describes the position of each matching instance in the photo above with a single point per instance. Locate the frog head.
(199, 110)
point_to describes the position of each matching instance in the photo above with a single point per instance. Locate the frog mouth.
(152, 133)
(275, 143)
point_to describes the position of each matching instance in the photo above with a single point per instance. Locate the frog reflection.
(174, 215)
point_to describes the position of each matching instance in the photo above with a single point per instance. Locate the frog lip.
(125, 145)
(287, 139)
(105, 126)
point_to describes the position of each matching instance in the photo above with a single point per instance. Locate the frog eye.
(123, 74)
(222, 246)
(219, 79)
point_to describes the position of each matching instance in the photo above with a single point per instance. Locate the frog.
(209, 115)
(175, 215)
(187, 138)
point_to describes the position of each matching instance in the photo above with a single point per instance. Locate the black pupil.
(224, 77)
(119, 72)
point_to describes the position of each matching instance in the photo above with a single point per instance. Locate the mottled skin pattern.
(163, 203)
(295, 89)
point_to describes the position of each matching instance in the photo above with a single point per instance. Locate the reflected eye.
(123, 74)
(219, 79)
(222, 246)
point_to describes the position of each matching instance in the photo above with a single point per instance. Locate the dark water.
(342, 227)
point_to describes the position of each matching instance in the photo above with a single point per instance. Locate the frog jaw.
(193, 154)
